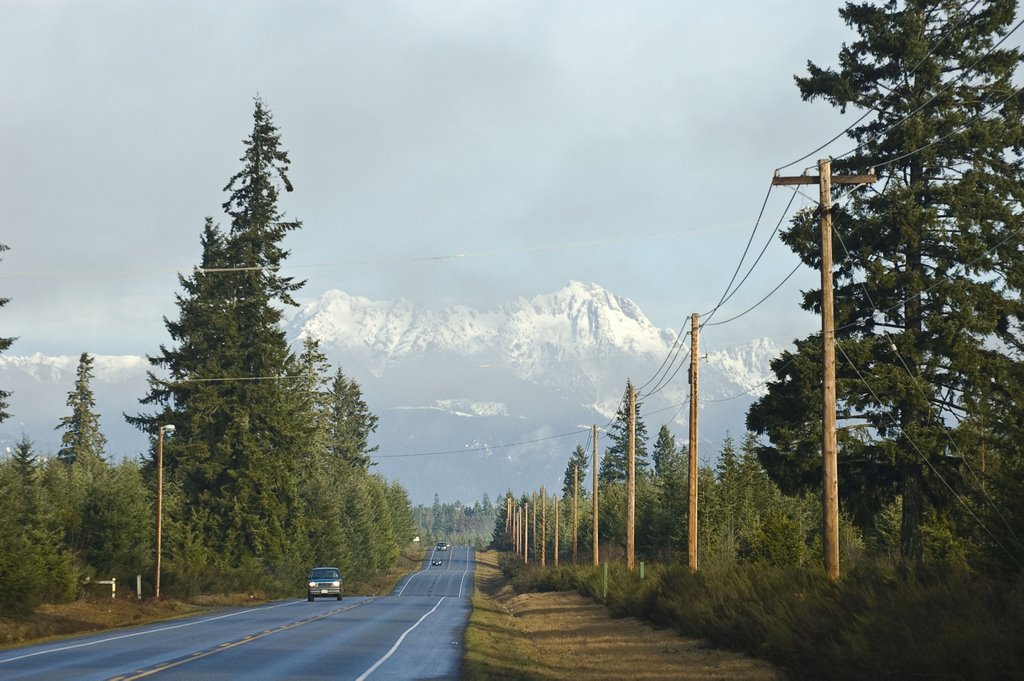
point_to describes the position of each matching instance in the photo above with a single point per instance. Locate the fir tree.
(241, 427)
(350, 423)
(614, 461)
(928, 300)
(83, 441)
(577, 460)
(665, 454)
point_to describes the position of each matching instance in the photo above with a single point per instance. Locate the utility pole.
(508, 516)
(575, 513)
(830, 466)
(519, 530)
(691, 532)
(515, 531)
(597, 560)
(526, 532)
(556, 530)
(543, 526)
(533, 499)
(631, 483)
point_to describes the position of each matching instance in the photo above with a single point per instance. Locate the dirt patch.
(564, 635)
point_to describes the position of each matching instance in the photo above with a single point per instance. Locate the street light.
(160, 495)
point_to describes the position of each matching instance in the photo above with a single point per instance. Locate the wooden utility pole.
(515, 531)
(556, 530)
(526, 532)
(543, 526)
(597, 560)
(631, 482)
(533, 499)
(575, 513)
(691, 533)
(830, 466)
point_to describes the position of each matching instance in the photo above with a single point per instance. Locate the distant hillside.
(470, 401)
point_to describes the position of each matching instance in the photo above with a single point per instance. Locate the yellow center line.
(164, 666)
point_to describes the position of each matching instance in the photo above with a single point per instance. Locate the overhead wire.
(869, 110)
(875, 311)
(935, 96)
(672, 356)
(484, 448)
(927, 460)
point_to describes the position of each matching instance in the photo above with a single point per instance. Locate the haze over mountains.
(470, 401)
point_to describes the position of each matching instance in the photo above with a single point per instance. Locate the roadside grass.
(494, 650)
(89, 615)
(552, 636)
(86, 615)
(876, 623)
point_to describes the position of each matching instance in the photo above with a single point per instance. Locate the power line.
(484, 448)
(739, 265)
(760, 302)
(850, 258)
(935, 96)
(927, 460)
(877, 107)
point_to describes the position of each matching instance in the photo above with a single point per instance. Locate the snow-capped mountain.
(470, 401)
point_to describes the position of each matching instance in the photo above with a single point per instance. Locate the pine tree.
(928, 302)
(579, 459)
(665, 454)
(240, 427)
(82, 442)
(614, 461)
(350, 423)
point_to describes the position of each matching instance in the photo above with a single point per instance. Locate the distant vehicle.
(437, 561)
(442, 546)
(323, 581)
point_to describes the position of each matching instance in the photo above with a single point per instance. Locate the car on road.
(323, 581)
(443, 546)
(437, 561)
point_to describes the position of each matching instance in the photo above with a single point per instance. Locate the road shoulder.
(560, 635)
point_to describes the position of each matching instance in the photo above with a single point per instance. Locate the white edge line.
(416, 574)
(401, 638)
(466, 572)
(141, 633)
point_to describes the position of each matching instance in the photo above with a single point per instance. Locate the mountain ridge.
(454, 379)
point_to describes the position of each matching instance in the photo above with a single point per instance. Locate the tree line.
(458, 523)
(267, 469)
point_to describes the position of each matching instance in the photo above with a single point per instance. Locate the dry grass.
(97, 614)
(87, 615)
(564, 635)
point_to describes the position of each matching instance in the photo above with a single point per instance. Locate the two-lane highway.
(415, 633)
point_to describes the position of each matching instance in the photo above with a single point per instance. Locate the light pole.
(160, 495)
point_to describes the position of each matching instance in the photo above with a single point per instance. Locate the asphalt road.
(415, 633)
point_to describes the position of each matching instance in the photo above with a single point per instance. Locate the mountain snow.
(517, 377)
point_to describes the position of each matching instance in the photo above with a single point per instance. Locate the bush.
(875, 623)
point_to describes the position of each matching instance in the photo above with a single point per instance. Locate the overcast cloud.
(626, 144)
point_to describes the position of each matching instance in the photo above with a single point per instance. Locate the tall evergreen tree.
(579, 459)
(240, 426)
(614, 461)
(928, 303)
(665, 453)
(82, 442)
(350, 422)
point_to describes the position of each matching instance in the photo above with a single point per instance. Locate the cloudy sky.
(629, 144)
